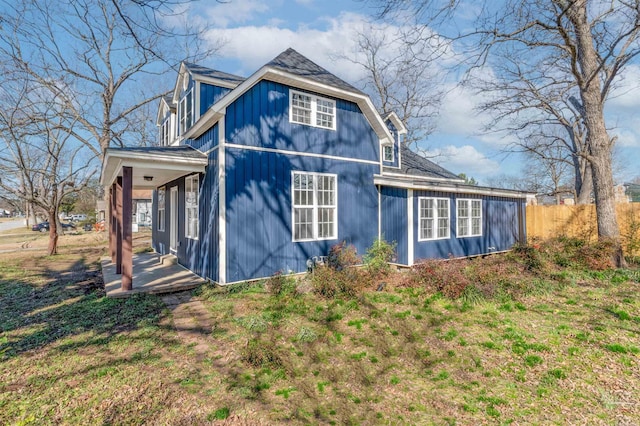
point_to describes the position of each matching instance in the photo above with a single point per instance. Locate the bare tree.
(401, 75)
(598, 38)
(535, 102)
(40, 162)
(104, 59)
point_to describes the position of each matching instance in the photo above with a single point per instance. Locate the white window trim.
(314, 110)
(182, 112)
(470, 217)
(191, 178)
(384, 147)
(161, 223)
(315, 207)
(435, 218)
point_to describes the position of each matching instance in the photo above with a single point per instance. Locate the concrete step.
(168, 259)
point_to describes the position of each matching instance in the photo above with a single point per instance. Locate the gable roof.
(414, 164)
(166, 100)
(293, 62)
(208, 73)
(205, 75)
(293, 69)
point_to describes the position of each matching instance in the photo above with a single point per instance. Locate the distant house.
(257, 175)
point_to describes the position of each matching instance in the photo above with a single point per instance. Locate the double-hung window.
(387, 153)
(312, 110)
(469, 218)
(186, 112)
(315, 207)
(161, 198)
(191, 195)
(164, 132)
(433, 218)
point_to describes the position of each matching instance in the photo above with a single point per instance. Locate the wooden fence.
(580, 221)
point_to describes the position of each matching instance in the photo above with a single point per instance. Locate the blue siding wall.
(500, 228)
(209, 95)
(259, 233)
(201, 255)
(206, 141)
(393, 203)
(260, 117)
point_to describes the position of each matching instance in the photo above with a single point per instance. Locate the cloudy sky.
(255, 31)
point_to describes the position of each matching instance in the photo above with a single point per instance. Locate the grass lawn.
(566, 352)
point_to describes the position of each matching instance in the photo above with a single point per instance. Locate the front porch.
(150, 276)
(126, 169)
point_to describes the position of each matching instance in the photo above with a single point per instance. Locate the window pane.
(476, 227)
(303, 220)
(463, 226)
(300, 108)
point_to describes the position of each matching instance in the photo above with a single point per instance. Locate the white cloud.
(465, 159)
(253, 46)
(237, 11)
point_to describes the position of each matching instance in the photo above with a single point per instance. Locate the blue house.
(257, 175)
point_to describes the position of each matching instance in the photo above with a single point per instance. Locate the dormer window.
(186, 112)
(387, 153)
(164, 132)
(312, 110)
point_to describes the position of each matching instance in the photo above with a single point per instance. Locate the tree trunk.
(585, 188)
(53, 233)
(598, 141)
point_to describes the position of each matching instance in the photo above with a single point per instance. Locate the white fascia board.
(178, 86)
(399, 125)
(425, 185)
(113, 163)
(160, 114)
(215, 81)
(417, 177)
(268, 73)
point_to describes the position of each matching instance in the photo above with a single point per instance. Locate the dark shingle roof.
(210, 73)
(293, 62)
(416, 165)
(184, 151)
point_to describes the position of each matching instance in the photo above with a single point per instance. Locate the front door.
(173, 221)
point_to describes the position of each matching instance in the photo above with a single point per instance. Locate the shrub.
(378, 256)
(342, 256)
(445, 276)
(280, 283)
(330, 283)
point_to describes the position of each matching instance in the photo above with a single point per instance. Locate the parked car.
(44, 227)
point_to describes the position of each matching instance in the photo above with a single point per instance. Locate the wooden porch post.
(118, 225)
(127, 237)
(111, 218)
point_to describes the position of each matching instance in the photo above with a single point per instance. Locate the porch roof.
(152, 166)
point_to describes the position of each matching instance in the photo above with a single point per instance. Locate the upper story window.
(186, 112)
(165, 131)
(312, 110)
(315, 206)
(434, 218)
(469, 218)
(387, 153)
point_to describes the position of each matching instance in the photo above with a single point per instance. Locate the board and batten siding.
(199, 255)
(259, 211)
(394, 227)
(209, 95)
(500, 227)
(260, 118)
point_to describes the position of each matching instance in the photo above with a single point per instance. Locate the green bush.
(378, 256)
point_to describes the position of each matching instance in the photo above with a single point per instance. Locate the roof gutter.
(428, 185)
